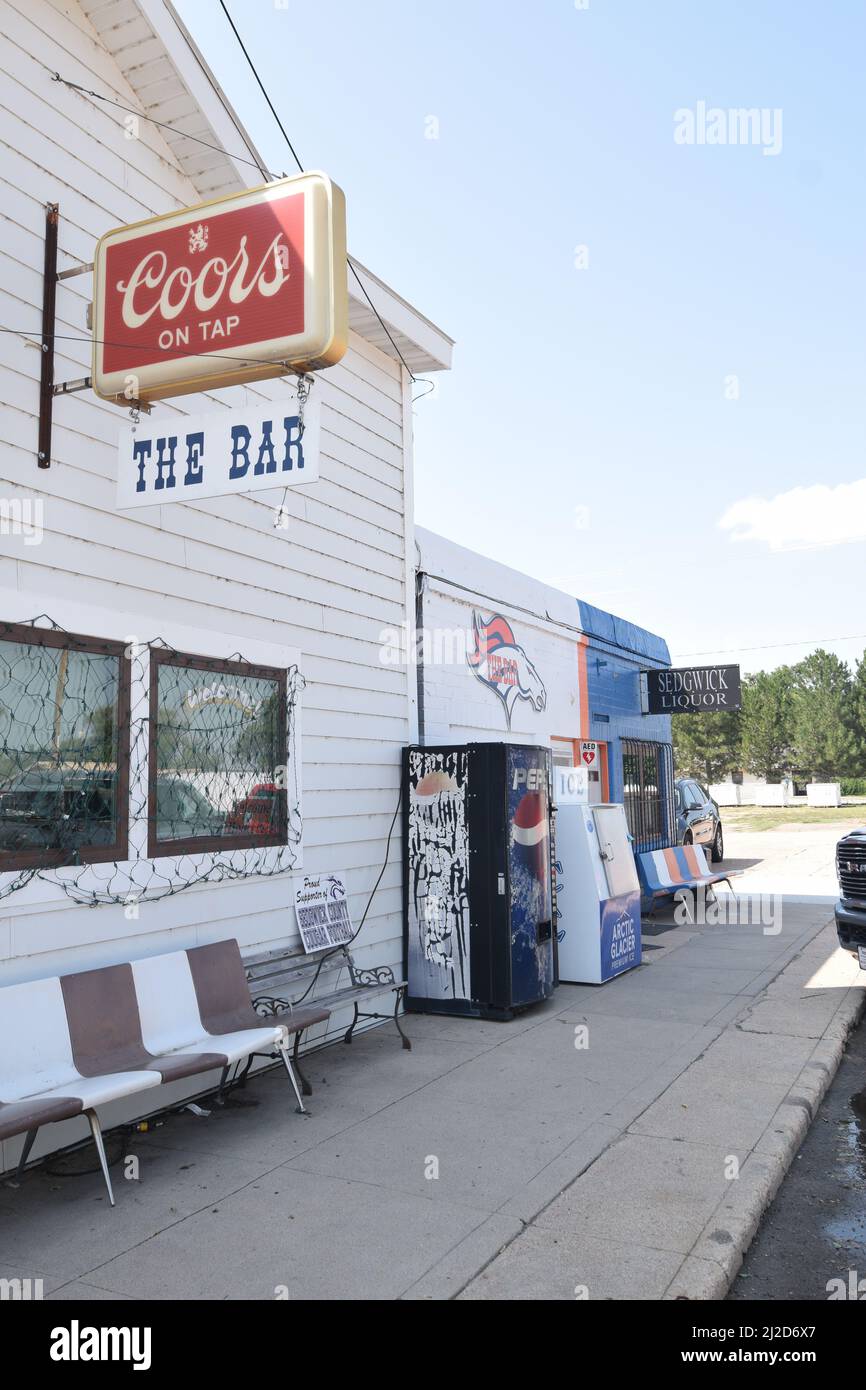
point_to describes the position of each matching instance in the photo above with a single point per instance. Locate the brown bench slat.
(295, 1020)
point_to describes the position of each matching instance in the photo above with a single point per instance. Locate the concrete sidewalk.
(669, 1208)
(494, 1160)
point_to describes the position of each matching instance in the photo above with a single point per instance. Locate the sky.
(656, 401)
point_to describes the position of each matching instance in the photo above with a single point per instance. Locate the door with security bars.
(648, 793)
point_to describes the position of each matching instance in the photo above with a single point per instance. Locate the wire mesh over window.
(64, 748)
(648, 780)
(131, 773)
(218, 741)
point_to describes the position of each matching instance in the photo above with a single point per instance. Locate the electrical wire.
(163, 125)
(264, 93)
(334, 949)
(775, 646)
(32, 334)
(285, 136)
(266, 173)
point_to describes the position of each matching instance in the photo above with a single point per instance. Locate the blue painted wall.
(616, 654)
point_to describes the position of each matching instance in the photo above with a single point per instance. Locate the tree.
(825, 744)
(858, 710)
(766, 722)
(707, 744)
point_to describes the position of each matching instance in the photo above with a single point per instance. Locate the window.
(694, 796)
(64, 748)
(564, 752)
(217, 755)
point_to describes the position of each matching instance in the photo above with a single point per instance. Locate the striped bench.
(664, 873)
(71, 1043)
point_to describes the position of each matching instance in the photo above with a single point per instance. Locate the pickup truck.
(851, 907)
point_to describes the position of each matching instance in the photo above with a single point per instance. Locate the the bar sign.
(691, 689)
(189, 457)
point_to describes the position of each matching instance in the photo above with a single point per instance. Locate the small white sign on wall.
(589, 753)
(570, 785)
(190, 457)
(322, 910)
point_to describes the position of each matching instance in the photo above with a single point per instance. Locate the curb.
(711, 1266)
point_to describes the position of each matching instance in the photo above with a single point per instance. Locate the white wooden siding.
(328, 586)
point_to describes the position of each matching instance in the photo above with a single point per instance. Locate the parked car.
(57, 807)
(698, 819)
(182, 811)
(261, 812)
(851, 907)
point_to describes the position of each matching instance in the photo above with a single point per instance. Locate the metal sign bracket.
(47, 387)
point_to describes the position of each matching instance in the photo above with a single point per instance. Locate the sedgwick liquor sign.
(247, 287)
(693, 688)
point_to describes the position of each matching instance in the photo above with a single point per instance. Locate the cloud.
(806, 518)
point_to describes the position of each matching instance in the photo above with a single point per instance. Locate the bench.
(668, 873)
(280, 981)
(71, 1043)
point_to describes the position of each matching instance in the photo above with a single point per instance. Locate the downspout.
(420, 585)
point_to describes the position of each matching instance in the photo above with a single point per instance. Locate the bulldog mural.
(500, 664)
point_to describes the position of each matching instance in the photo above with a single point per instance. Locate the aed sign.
(250, 286)
(693, 688)
(190, 457)
(589, 754)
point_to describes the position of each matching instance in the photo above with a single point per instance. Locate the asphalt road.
(815, 1230)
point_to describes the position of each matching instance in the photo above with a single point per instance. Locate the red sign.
(589, 754)
(251, 286)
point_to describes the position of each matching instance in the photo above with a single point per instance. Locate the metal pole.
(58, 700)
(49, 295)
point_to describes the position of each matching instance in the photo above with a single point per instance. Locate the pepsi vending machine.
(478, 916)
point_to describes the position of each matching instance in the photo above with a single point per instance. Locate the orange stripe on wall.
(583, 684)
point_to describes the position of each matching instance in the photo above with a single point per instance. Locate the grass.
(778, 817)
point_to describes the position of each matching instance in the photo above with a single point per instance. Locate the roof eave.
(407, 334)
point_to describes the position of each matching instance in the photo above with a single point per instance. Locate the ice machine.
(597, 891)
(478, 928)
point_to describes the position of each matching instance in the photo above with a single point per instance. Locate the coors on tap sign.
(249, 286)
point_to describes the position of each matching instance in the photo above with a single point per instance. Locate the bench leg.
(305, 1085)
(100, 1149)
(351, 1028)
(25, 1152)
(407, 1045)
(242, 1080)
(288, 1066)
(221, 1092)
